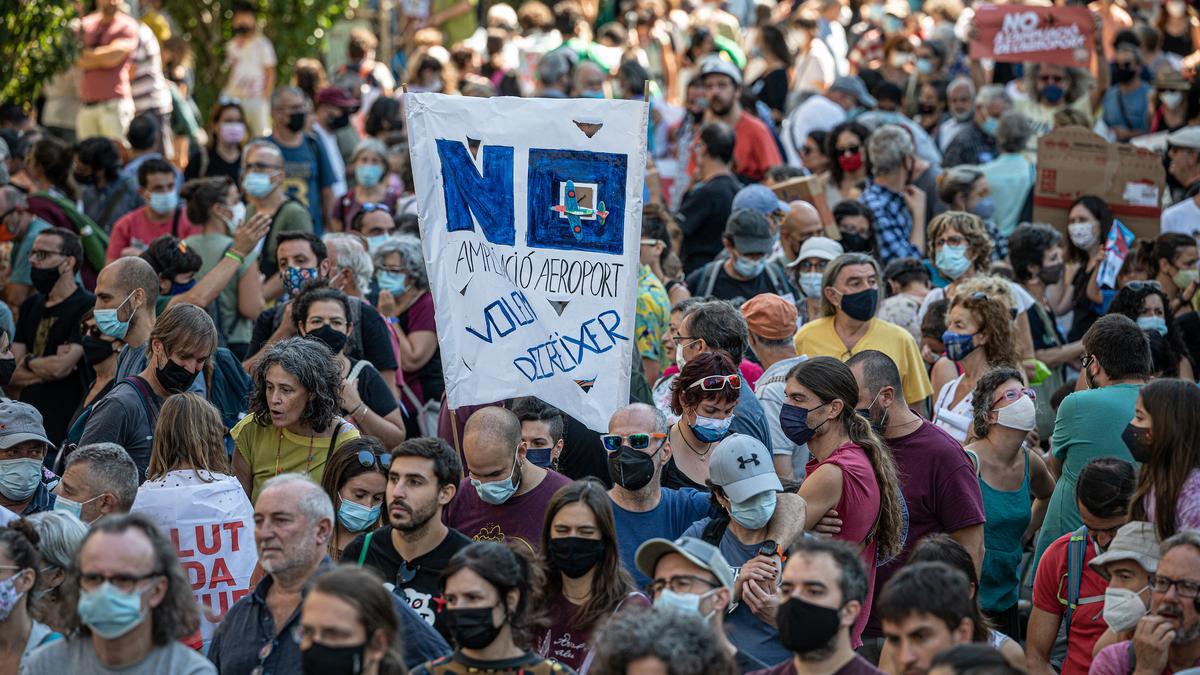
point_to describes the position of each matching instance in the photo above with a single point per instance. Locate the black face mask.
(295, 121)
(242, 30)
(472, 628)
(85, 179)
(926, 109)
(1138, 442)
(7, 368)
(322, 659)
(805, 627)
(631, 469)
(173, 377)
(1123, 75)
(340, 122)
(855, 243)
(860, 306)
(44, 279)
(574, 556)
(333, 338)
(96, 350)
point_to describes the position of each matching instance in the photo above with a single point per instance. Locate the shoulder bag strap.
(358, 368)
(362, 555)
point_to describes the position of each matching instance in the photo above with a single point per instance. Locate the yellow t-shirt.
(271, 451)
(818, 338)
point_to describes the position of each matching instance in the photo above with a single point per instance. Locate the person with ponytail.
(20, 565)
(1164, 435)
(850, 470)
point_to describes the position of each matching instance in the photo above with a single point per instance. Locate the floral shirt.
(653, 316)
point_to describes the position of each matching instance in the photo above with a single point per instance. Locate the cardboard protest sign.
(1073, 162)
(1016, 33)
(212, 528)
(530, 214)
(809, 189)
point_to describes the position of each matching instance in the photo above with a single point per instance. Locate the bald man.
(504, 496)
(801, 223)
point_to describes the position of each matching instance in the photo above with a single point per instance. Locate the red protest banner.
(1012, 33)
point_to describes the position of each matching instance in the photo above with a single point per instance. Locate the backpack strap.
(780, 289)
(175, 222)
(362, 555)
(710, 271)
(358, 368)
(143, 389)
(1076, 550)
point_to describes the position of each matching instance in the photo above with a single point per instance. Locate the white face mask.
(1123, 608)
(1020, 414)
(1171, 99)
(1083, 234)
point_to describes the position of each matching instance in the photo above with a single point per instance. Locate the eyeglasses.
(372, 207)
(38, 256)
(369, 459)
(718, 382)
(613, 442)
(1086, 360)
(259, 166)
(406, 573)
(126, 583)
(1183, 588)
(848, 150)
(812, 265)
(681, 583)
(951, 240)
(1014, 394)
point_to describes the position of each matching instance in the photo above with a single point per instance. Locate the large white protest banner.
(212, 528)
(530, 214)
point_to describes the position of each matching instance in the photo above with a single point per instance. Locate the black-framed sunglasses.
(406, 573)
(848, 150)
(369, 459)
(613, 442)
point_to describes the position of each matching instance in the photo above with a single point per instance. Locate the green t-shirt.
(271, 451)
(1089, 425)
(211, 248)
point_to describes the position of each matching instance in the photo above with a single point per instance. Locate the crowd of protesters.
(898, 427)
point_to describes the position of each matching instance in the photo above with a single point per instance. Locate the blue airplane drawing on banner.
(574, 212)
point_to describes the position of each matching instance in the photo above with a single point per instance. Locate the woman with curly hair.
(1148, 306)
(293, 423)
(846, 147)
(979, 335)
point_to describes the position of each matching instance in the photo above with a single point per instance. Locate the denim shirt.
(248, 637)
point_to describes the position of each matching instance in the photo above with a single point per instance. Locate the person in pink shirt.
(161, 214)
(850, 470)
(105, 98)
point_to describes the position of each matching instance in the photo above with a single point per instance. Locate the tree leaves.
(37, 41)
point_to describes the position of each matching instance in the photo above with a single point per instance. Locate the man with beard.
(823, 590)
(926, 609)
(413, 549)
(755, 150)
(1167, 640)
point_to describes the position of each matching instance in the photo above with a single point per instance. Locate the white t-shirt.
(247, 64)
(1183, 218)
(954, 420)
(816, 69)
(1024, 300)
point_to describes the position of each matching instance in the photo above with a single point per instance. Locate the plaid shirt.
(893, 223)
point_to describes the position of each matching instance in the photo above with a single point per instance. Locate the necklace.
(577, 600)
(307, 464)
(701, 455)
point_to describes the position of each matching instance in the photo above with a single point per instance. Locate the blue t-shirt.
(676, 510)
(749, 419)
(1134, 115)
(742, 628)
(306, 171)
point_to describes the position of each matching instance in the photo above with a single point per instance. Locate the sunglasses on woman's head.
(718, 382)
(368, 459)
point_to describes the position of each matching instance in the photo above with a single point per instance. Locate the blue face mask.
(163, 202)
(540, 456)
(990, 125)
(19, 478)
(1154, 323)
(500, 491)
(71, 506)
(111, 613)
(392, 282)
(684, 603)
(257, 184)
(810, 284)
(108, 322)
(377, 241)
(355, 517)
(1052, 93)
(924, 67)
(984, 207)
(952, 261)
(793, 421)
(749, 268)
(754, 513)
(177, 288)
(368, 175)
(709, 430)
(958, 346)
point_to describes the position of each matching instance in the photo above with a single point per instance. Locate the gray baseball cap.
(852, 85)
(750, 231)
(741, 466)
(697, 552)
(1136, 541)
(20, 422)
(715, 65)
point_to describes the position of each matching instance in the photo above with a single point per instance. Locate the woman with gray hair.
(59, 536)
(406, 301)
(368, 170)
(292, 425)
(1010, 176)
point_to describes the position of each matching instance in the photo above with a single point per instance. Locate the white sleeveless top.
(956, 420)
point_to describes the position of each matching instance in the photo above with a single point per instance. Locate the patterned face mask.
(294, 278)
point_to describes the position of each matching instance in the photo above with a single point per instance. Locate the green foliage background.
(36, 42)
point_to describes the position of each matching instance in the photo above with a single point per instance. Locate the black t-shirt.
(726, 287)
(375, 393)
(376, 342)
(702, 217)
(772, 89)
(216, 166)
(673, 477)
(43, 330)
(422, 591)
